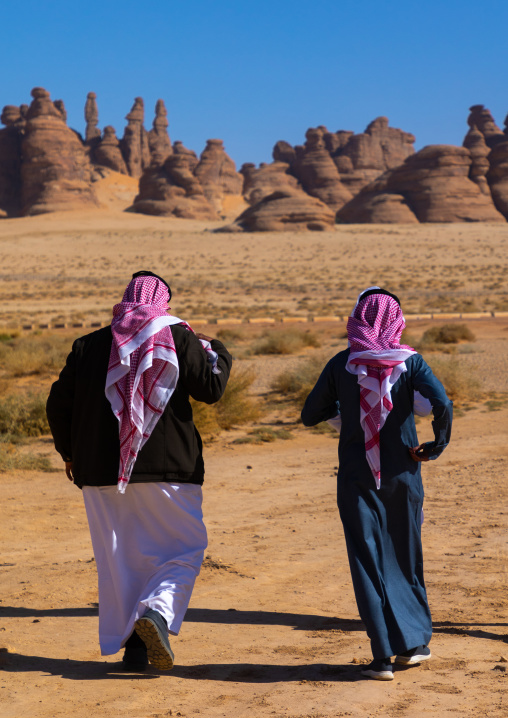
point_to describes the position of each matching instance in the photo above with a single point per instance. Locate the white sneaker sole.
(378, 675)
(412, 661)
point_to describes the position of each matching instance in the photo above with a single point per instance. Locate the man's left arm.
(196, 373)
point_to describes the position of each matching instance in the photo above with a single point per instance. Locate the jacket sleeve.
(322, 403)
(59, 407)
(442, 408)
(196, 372)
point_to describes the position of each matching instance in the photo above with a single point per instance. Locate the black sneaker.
(135, 657)
(380, 669)
(153, 631)
(415, 655)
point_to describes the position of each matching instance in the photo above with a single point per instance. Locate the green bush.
(285, 341)
(230, 335)
(23, 415)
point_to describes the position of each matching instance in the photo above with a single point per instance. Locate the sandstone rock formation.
(173, 190)
(284, 152)
(192, 158)
(475, 143)
(433, 184)
(134, 144)
(92, 132)
(482, 119)
(266, 179)
(497, 176)
(10, 161)
(158, 138)
(59, 104)
(317, 172)
(284, 210)
(55, 171)
(217, 174)
(370, 153)
(107, 153)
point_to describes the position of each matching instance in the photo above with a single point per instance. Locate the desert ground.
(272, 629)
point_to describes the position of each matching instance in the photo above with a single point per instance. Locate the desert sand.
(272, 629)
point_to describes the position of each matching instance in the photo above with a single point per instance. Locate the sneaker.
(153, 631)
(415, 655)
(380, 669)
(135, 658)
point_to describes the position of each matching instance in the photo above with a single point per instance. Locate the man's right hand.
(68, 470)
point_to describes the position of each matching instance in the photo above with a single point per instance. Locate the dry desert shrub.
(232, 336)
(447, 334)
(23, 415)
(264, 435)
(22, 356)
(285, 341)
(236, 407)
(460, 385)
(298, 383)
(12, 459)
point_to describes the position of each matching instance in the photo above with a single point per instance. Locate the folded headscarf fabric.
(378, 359)
(143, 366)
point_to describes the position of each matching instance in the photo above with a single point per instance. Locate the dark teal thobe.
(383, 527)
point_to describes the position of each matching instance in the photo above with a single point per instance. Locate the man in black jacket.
(149, 542)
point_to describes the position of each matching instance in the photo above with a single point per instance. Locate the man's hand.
(204, 337)
(419, 453)
(68, 470)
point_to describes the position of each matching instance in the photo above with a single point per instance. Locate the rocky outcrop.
(284, 210)
(284, 152)
(359, 158)
(317, 172)
(134, 144)
(266, 179)
(363, 157)
(191, 156)
(217, 174)
(433, 184)
(482, 119)
(173, 190)
(55, 171)
(497, 176)
(158, 138)
(108, 154)
(59, 104)
(474, 141)
(92, 132)
(10, 161)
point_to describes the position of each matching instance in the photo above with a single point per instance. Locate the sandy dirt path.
(272, 629)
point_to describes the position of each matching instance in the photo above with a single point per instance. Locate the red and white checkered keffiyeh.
(378, 359)
(143, 366)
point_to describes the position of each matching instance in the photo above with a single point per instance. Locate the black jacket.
(85, 430)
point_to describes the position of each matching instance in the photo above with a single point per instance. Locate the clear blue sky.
(254, 73)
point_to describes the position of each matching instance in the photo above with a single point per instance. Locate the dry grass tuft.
(460, 385)
(23, 356)
(264, 435)
(23, 415)
(448, 334)
(231, 335)
(297, 384)
(12, 459)
(235, 408)
(285, 341)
